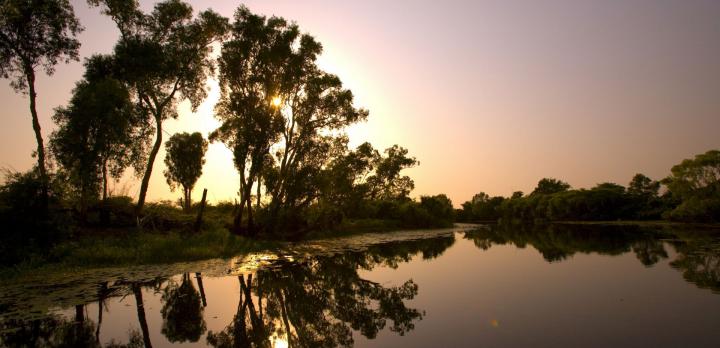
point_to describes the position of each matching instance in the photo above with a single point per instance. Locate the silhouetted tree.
(386, 182)
(696, 182)
(163, 56)
(643, 191)
(36, 34)
(482, 207)
(549, 186)
(184, 160)
(99, 133)
(641, 185)
(252, 69)
(273, 94)
(182, 312)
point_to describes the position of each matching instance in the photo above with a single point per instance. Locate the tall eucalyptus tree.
(36, 34)
(164, 56)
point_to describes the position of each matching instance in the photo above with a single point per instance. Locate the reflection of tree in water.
(699, 261)
(558, 242)
(48, 332)
(58, 332)
(649, 251)
(393, 253)
(319, 302)
(698, 254)
(182, 312)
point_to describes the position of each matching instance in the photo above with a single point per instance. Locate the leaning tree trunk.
(105, 181)
(137, 291)
(151, 161)
(250, 227)
(188, 199)
(30, 76)
(237, 223)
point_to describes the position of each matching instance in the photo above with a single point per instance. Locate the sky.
(489, 96)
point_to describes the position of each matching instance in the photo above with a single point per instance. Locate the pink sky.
(489, 95)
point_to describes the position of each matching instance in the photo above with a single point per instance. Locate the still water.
(555, 286)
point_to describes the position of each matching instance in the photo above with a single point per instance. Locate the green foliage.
(99, 133)
(273, 95)
(359, 176)
(553, 200)
(36, 33)
(162, 56)
(548, 186)
(439, 207)
(184, 160)
(386, 183)
(696, 182)
(482, 207)
(644, 194)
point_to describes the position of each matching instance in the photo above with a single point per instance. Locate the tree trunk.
(198, 276)
(238, 218)
(102, 292)
(104, 213)
(141, 315)
(151, 161)
(105, 181)
(283, 311)
(30, 76)
(258, 193)
(251, 227)
(188, 200)
(198, 221)
(237, 223)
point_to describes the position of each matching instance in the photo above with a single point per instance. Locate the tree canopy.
(279, 110)
(549, 186)
(696, 182)
(99, 133)
(184, 160)
(163, 56)
(36, 34)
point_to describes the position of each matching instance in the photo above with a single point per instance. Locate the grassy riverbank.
(129, 247)
(642, 223)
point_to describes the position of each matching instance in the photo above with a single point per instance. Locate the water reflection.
(699, 261)
(182, 312)
(328, 299)
(315, 302)
(697, 252)
(559, 242)
(320, 302)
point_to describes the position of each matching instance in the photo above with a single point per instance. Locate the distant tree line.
(690, 194)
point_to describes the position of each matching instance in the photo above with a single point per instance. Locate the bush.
(696, 210)
(30, 223)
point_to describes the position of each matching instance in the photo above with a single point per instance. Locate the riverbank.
(129, 247)
(643, 223)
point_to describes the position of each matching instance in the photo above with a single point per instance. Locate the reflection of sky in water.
(504, 295)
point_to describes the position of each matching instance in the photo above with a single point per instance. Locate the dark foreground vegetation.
(109, 233)
(690, 194)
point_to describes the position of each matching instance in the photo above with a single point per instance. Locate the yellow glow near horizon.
(276, 101)
(280, 343)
